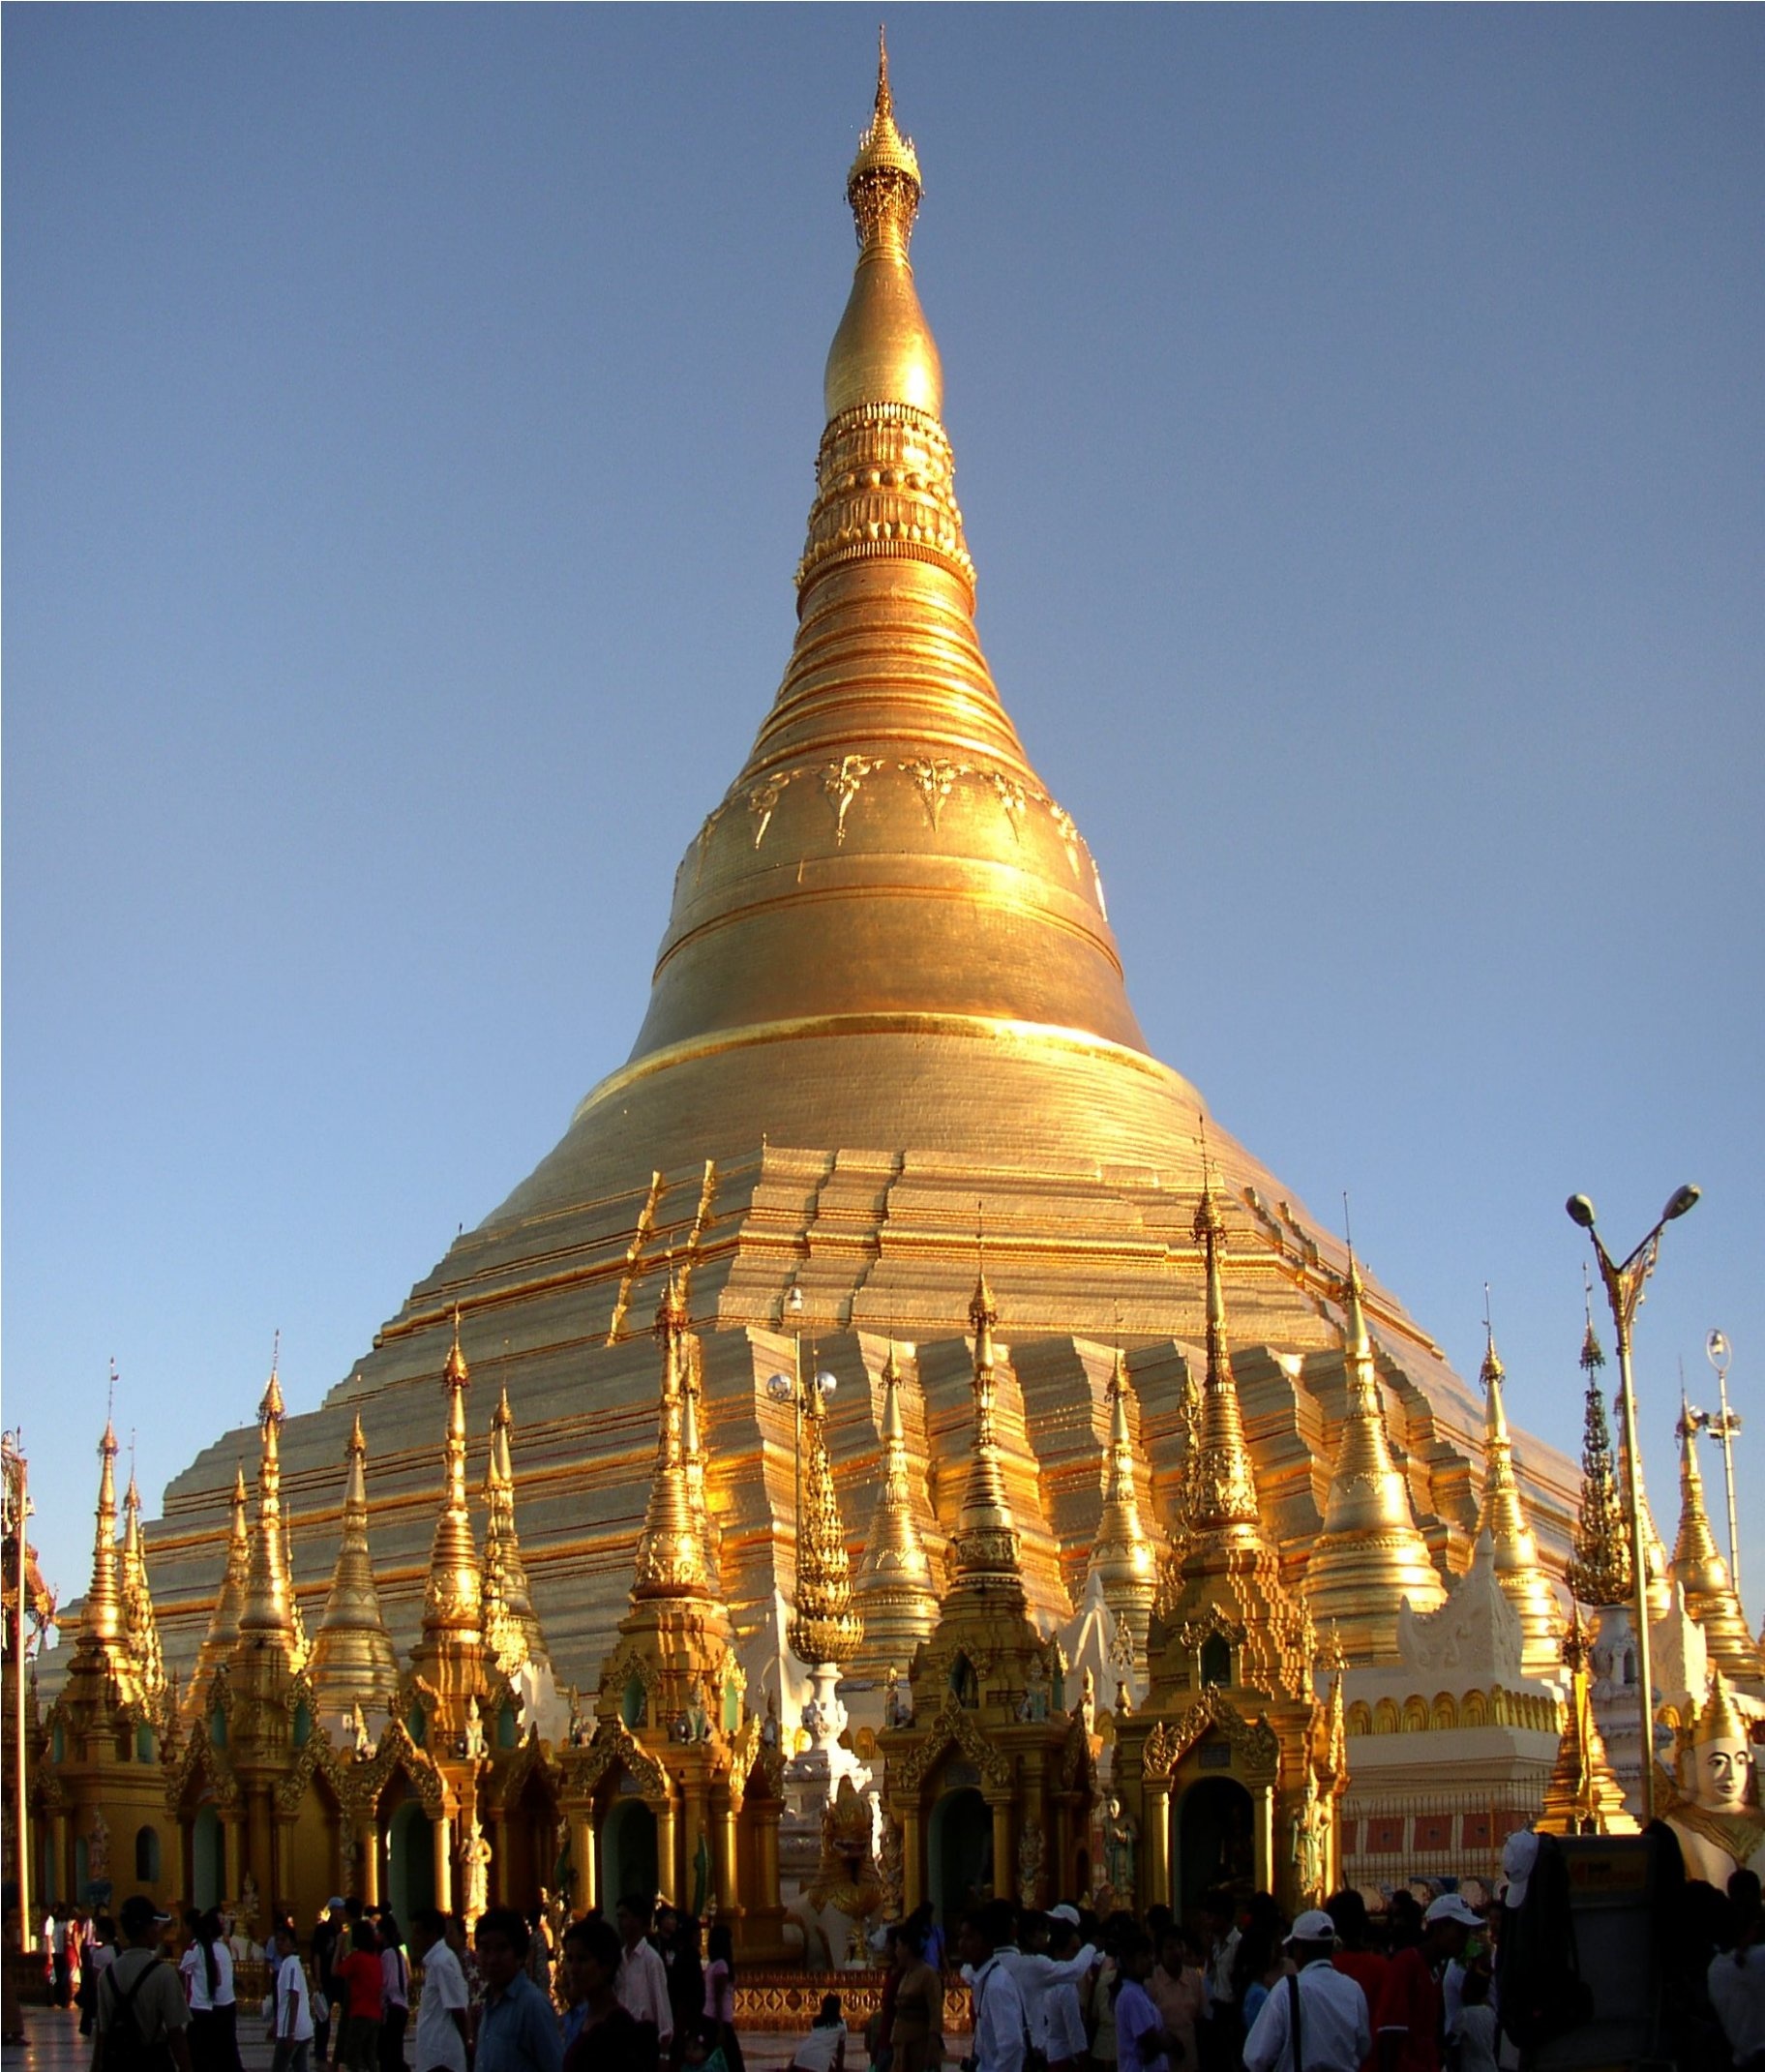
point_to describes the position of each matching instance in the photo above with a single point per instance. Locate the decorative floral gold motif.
(841, 781)
(936, 780)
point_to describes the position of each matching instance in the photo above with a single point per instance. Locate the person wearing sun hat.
(1333, 2025)
(1411, 2018)
(139, 1988)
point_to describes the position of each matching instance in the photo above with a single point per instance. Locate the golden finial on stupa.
(671, 1555)
(895, 1589)
(452, 1596)
(353, 1660)
(100, 1618)
(140, 1625)
(825, 1626)
(883, 186)
(1599, 1571)
(985, 1540)
(1220, 1494)
(1123, 1556)
(1370, 1555)
(511, 1625)
(266, 1617)
(1583, 1796)
(1699, 1569)
(1518, 1568)
(230, 1602)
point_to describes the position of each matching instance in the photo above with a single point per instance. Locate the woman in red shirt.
(360, 1977)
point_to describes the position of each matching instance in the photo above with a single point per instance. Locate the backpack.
(125, 2048)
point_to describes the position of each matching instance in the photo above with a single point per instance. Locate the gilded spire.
(1123, 1556)
(1658, 1591)
(670, 1555)
(986, 1539)
(353, 1660)
(100, 1618)
(1599, 1574)
(1516, 1553)
(825, 1627)
(895, 1588)
(1220, 1497)
(452, 1599)
(1369, 1557)
(692, 1436)
(265, 1620)
(1582, 1797)
(223, 1621)
(1700, 1571)
(511, 1625)
(141, 1626)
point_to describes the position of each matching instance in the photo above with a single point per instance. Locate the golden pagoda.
(450, 1667)
(1702, 1573)
(354, 1663)
(1370, 1557)
(1232, 1738)
(988, 1778)
(141, 1626)
(511, 1626)
(896, 1591)
(1516, 1553)
(223, 1621)
(1124, 1557)
(1583, 1796)
(886, 986)
(825, 1626)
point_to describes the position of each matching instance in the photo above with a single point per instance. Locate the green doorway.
(628, 1852)
(207, 1859)
(410, 1860)
(1216, 1840)
(962, 1855)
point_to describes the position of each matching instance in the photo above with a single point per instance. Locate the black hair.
(721, 1945)
(208, 1932)
(639, 1906)
(430, 1921)
(595, 1938)
(830, 2011)
(506, 1922)
(1348, 1910)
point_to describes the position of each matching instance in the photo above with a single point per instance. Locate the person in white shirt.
(1000, 2023)
(1035, 1972)
(643, 1981)
(1336, 2028)
(293, 2029)
(442, 2003)
(1064, 2043)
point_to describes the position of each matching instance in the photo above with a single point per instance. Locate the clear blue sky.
(409, 420)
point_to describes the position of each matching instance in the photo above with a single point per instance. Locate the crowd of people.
(1441, 1986)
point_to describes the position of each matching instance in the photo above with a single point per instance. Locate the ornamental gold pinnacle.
(266, 1618)
(1600, 1573)
(140, 1623)
(1700, 1571)
(353, 1660)
(895, 1591)
(1123, 1556)
(1518, 1568)
(670, 1555)
(230, 1602)
(825, 1627)
(511, 1625)
(985, 1540)
(452, 1597)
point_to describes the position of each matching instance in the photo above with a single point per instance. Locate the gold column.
(1265, 1838)
(441, 1831)
(499, 1894)
(913, 1862)
(368, 1860)
(695, 1819)
(64, 1870)
(668, 1859)
(582, 1841)
(1004, 1867)
(768, 1894)
(1155, 1826)
(728, 1880)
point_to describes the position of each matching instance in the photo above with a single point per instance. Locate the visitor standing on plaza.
(600, 2035)
(999, 2022)
(139, 2003)
(207, 1966)
(642, 1980)
(327, 1937)
(518, 2028)
(292, 2030)
(395, 1993)
(1412, 2017)
(360, 1978)
(101, 1955)
(1316, 2017)
(441, 2005)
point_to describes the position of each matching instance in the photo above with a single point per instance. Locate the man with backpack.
(143, 2015)
(1316, 2019)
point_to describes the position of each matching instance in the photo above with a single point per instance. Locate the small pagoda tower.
(354, 1667)
(1231, 1713)
(674, 1792)
(140, 1622)
(1600, 1570)
(1702, 1573)
(988, 1779)
(1583, 1796)
(449, 1663)
(1124, 1558)
(1370, 1557)
(511, 1625)
(895, 1592)
(223, 1632)
(1518, 1568)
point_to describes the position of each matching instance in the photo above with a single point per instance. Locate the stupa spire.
(1599, 1574)
(1583, 1796)
(265, 1618)
(1657, 1590)
(825, 1627)
(895, 1589)
(140, 1623)
(511, 1625)
(1221, 1489)
(985, 1540)
(353, 1660)
(1699, 1569)
(670, 1555)
(1123, 1556)
(223, 1621)
(1370, 1557)
(1500, 1514)
(101, 1617)
(452, 1597)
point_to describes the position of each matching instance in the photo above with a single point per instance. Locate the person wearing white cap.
(1065, 2044)
(1412, 2017)
(1035, 1973)
(1315, 2020)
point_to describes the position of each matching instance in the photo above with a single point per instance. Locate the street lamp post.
(1623, 1284)
(1724, 1426)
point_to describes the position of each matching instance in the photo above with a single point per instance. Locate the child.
(824, 2048)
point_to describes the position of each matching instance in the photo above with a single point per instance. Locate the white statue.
(475, 1869)
(1713, 1806)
